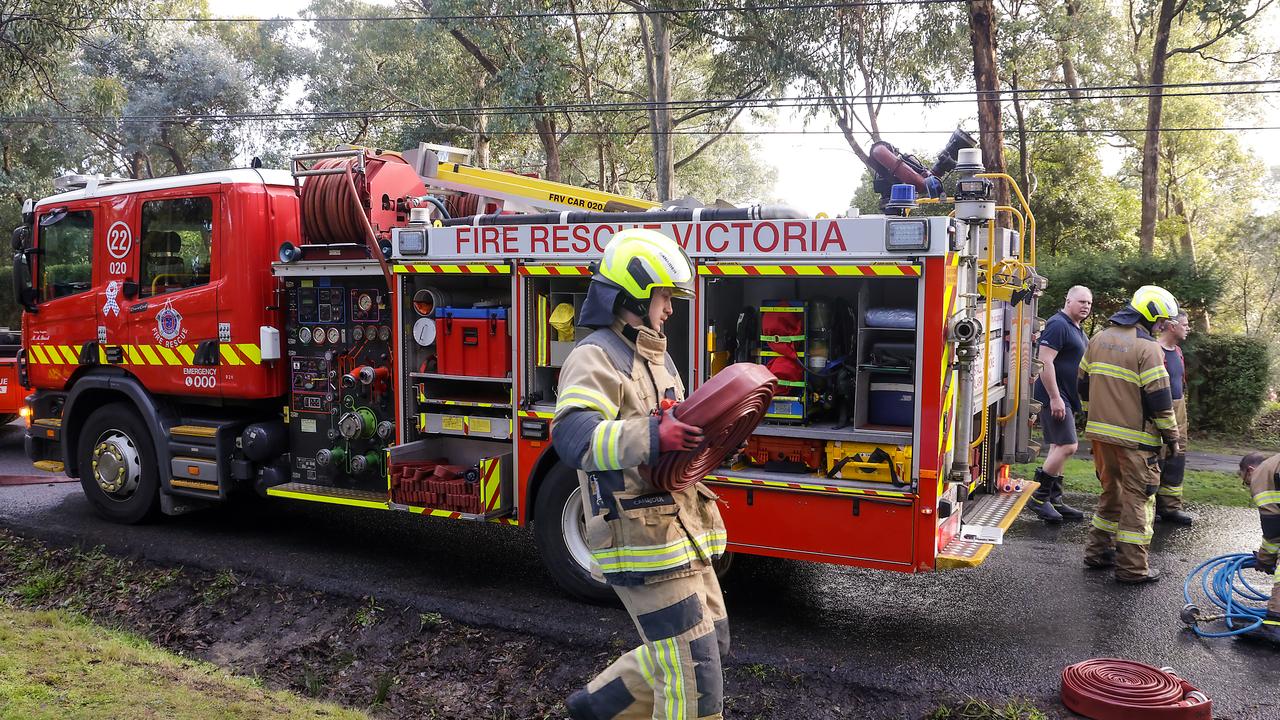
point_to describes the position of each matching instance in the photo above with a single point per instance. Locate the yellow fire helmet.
(638, 260)
(1154, 303)
(635, 262)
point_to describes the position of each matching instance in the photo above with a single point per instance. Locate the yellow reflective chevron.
(1106, 526)
(1115, 431)
(1153, 374)
(588, 398)
(1114, 371)
(1267, 498)
(163, 355)
(658, 558)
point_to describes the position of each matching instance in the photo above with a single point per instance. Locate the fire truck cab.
(385, 331)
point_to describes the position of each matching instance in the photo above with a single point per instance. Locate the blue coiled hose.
(1222, 581)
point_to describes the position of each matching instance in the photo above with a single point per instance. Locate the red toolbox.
(782, 454)
(472, 342)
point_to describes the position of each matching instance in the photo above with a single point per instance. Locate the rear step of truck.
(335, 495)
(198, 451)
(992, 510)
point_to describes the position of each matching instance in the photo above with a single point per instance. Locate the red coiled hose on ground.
(1112, 689)
(728, 407)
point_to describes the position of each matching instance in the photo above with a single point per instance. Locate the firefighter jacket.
(1264, 486)
(606, 426)
(1124, 386)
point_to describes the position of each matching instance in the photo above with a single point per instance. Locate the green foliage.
(1228, 378)
(1114, 275)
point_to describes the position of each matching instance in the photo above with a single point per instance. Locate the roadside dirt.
(390, 661)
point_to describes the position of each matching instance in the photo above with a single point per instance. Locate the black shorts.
(1058, 432)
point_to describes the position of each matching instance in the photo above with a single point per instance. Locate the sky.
(818, 172)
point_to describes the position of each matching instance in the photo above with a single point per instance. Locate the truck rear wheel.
(560, 536)
(118, 465)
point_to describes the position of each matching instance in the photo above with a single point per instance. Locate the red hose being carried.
(728, 407)
(1111, 689)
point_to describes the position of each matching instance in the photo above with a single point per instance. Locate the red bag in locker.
(473, 342)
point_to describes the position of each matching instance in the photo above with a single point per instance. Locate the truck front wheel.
(118, 466)
(560, 535)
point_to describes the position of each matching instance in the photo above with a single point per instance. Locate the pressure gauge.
(304, 335)
(357, 333)
(318, 336)
(333, 336)
(384, 333)
(364, 302)
(424, 331)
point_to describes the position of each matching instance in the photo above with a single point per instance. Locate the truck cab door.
(175, 317)
(66, 248)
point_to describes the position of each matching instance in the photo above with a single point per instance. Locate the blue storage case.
(891, 401)
(471, 313)
(893, 318)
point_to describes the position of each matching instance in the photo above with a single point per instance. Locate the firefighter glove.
(1263, 565)
(674, 436)
(1151, 489)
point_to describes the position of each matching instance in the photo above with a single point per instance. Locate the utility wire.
(511, 16)
(1201, 90)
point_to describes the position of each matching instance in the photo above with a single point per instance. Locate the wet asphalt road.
(1005, 629)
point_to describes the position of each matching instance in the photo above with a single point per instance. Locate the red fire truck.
(385, 331)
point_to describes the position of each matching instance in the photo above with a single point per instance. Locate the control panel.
(339, 345)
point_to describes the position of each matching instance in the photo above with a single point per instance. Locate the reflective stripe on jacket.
(1124, 387)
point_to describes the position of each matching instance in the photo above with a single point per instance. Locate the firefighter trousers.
(675, 674)
(1173, 464)
(1123, 522)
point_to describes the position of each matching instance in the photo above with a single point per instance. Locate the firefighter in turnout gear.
(655, 548)
(1124, 387)
(1173, 465)
(1261, 476)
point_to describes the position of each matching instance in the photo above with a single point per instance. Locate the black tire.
(722, 565)
(559, 489)
(120, 427)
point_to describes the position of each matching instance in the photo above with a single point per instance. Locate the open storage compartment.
(553, 307)
(845, 347)
(456, 476)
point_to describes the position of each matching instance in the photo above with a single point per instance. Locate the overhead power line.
(1204, 89)
(514, 16)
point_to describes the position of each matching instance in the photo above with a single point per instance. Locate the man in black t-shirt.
(1062, 345)
(1173, 462)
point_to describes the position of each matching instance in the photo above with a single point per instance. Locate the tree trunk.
(657, 51)
(480, 157)
(546, 128)
(1024, 161)
(588, 78)
(1151, 140)
(1066, 51)
(179, 164)
(982, 34)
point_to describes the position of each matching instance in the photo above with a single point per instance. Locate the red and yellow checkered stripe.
(556, 270)
(233, 354)
(472, 269)
(877, 270)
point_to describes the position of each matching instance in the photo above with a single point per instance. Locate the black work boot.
(1055, 498)
(1102, 562)
(1040, 499)
(1177, 517)
(1153, 575)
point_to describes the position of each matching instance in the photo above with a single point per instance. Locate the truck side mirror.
(22, 290)
(130, 289)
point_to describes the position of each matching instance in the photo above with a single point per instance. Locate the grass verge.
(979, 710)
(1199, 486)
(56, 664)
